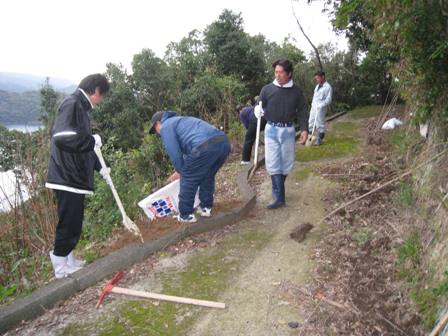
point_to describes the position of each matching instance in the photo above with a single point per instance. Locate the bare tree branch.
(306, 36)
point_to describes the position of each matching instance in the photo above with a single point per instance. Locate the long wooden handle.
(111, 184)
(162, 297)
(257, 138)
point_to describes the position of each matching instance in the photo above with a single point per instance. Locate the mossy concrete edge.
(46, 297)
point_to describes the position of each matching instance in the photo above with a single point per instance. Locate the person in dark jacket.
(71, 167)
(197, 150)
(248, 119)
(282, 103)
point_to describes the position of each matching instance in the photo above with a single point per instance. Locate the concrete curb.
(46, 297)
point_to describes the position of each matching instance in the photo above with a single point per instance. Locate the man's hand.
(97, 139)
(258, 111)
(105, 174)
(175, 176)
(303, 137)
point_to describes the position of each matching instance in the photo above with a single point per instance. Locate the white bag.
(164, 201)
(391, 124)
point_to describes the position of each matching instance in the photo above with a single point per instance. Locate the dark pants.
(250, 137)
(70, 214)
(200, 168)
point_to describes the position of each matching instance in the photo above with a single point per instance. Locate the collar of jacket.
(86, 97)
(287, 85)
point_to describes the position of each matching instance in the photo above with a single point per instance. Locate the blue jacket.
(247, 116)
(180, 135)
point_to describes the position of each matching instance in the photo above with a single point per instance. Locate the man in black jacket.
(71, 167)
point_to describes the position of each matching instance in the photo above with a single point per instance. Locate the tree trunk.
(307, 38)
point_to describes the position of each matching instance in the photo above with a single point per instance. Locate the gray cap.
(155, 118)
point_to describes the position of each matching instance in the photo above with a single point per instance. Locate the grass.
(409, 254)
(362, 236)
(366, 112)
(342, 140)
(406, 194)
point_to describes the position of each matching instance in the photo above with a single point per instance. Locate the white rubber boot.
(74, 262)
(60, 266)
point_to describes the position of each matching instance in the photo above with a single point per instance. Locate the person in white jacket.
(321, 100)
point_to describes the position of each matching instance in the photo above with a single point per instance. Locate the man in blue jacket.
(197, 150)
(71, 167)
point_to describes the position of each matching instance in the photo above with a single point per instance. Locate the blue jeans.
(279, 149)
(200, 168)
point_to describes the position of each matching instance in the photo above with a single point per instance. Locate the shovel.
(257, 140)
(311, 137)
(127, 222)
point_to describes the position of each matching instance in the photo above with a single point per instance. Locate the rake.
(127, 222)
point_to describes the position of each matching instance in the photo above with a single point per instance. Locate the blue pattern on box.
(162, 207)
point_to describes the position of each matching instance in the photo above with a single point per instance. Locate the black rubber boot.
(284, 188)
(274, 188)
(278, 190)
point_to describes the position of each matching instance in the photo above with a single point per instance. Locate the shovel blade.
(310, 141)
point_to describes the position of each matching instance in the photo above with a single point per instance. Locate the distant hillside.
(19, 108)
(20, 83)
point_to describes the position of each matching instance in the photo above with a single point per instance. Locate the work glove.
(105, 174)
(258, 111)
(98, 142)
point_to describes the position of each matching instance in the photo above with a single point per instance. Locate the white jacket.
(322, 96)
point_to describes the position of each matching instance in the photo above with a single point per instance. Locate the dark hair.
(91, 82)
(319, 73)
(285, 64)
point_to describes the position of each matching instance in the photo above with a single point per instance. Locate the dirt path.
(244, 266)
(257, 305)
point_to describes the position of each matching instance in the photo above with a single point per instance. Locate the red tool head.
(111, 284)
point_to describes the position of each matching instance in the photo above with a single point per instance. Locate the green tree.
(153, 82)
(117, 118)
(49, 101)
(187, 59)
(233, 51)
(413, 35)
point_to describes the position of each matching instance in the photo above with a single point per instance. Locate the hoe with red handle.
(111, 288)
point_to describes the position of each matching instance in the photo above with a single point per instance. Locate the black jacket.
(72, 159)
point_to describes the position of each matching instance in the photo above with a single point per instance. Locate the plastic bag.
(164, 201)
(391, 124)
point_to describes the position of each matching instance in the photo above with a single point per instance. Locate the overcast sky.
(71, 39)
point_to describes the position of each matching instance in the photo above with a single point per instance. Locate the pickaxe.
(111, 288)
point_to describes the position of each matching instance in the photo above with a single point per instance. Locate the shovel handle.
(111, 184)
(257, 138)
